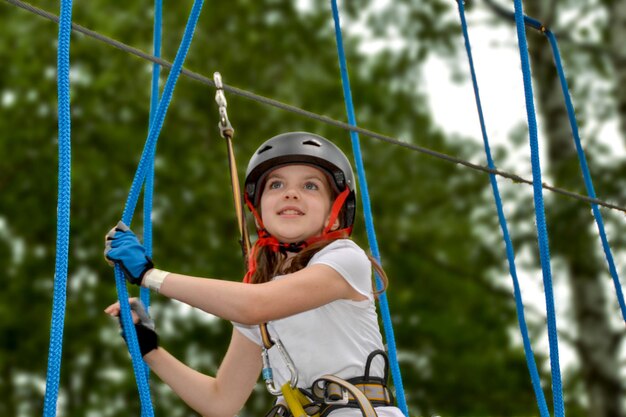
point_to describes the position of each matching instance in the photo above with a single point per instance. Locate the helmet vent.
(312, 142)
(264, 149)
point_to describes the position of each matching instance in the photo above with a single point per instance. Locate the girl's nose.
(291, 193)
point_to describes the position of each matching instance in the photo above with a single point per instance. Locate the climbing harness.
(329, 393)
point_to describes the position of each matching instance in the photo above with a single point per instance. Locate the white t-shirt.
(335, 338)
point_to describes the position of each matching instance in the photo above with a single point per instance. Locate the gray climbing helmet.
(303, 148)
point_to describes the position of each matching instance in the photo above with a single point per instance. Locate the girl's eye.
(311, 186)
(274, 184)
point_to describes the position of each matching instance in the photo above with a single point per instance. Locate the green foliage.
(451, 324)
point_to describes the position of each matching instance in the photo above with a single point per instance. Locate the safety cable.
(320, 118)
(510, 252)
(55, 350)
(540, 215)
(369, 218)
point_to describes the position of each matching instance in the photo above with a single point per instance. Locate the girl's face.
(295, 203)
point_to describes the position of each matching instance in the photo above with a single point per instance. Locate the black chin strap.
(292, 247)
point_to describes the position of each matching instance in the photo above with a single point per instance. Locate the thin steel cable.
(320, 118)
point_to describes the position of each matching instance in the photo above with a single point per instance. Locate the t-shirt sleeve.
(350, 261)
(252, 332)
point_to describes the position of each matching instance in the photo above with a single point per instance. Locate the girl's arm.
(309, 288)
(222, 396)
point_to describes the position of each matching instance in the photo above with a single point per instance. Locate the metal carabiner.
(268, 375)
(226, 129)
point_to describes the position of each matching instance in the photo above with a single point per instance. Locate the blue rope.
(148, 191)
(585, 171)
(510, 253)
(63, 211)
(131, 203)
(542, 232)
(154, 103)
(369, 221)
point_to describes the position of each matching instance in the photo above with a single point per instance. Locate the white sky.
(453, 106)
(497, 63)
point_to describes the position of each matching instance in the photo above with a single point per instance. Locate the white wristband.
(154, 279)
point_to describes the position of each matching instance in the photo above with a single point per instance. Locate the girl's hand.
(144, 325)
(122, 247)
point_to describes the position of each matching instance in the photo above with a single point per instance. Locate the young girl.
(313, 289)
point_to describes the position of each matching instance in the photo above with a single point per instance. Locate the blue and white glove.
(147, 337)
(123, 248)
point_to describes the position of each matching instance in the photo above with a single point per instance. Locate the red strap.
(254, 213)
(265, 239)
(336, 208)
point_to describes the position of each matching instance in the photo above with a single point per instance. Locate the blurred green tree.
(452, 318)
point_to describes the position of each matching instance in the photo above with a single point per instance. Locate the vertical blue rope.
(131, 203)
(535, 24)
(510, 253)
(542, 232)
(585, 171)
(149, 183)
(148, 191)
(369, 221)
(63, 211)
(159, 117)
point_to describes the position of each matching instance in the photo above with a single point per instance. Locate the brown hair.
(270, 263)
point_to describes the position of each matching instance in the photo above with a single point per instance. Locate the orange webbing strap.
(265, 336)
(234, 179)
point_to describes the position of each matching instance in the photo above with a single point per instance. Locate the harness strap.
(346, 395)
(377, 394)
(330, 393)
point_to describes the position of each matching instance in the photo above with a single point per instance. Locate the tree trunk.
(571, 241)
(617, 23)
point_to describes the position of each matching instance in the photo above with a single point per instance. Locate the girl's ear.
(335, 225)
